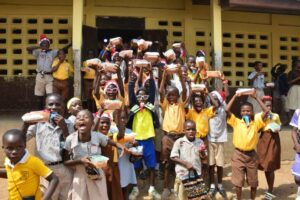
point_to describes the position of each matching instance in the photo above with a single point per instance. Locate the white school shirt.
(47, 138)
(259, 82)
(218, 126)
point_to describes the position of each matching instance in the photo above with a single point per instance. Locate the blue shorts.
(149, 156)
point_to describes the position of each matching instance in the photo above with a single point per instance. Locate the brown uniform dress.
(268, 150)
(113, 183)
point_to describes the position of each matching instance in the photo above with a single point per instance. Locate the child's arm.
(119, 146)
(183, 85)
(56, 66)
(131, 93)
(30, 49)
(183, 163)
(53, 182)
(152, 88)
(226, 90)
(295, 139)
(60, 121)
(3, 173)
(262, 105)
(229, 105)
(96, 90)
(65, 48)
(120, 82)
(97, 118)
(140, 79)
(162, 87)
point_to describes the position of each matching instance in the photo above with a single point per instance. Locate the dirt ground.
(284, 188)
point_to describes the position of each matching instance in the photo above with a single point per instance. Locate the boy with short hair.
(245, 137)
(50, 137)
(174, 117)
(187, 155)
(23, 170)
(61, 71)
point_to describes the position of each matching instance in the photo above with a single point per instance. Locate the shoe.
(133, 194)
(166, 193)
(269, 196)
(213, 192)
(154, 195)
(222, 192)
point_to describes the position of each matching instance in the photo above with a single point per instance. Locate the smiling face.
(61, 55)
(84, 122)
(75, 107)
(172, 95)
(142, 96)
(247, 110)
(104, 125)
(14, 147)
(112, 92)
(198, 103)
(191, 63)
(54, 103)
(190, 130)
(120, 117)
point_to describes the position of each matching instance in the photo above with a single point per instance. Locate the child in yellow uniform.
(23, 170)
(174, 117)
(61, 72)
(245, 136)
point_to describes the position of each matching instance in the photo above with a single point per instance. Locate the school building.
(236, 32)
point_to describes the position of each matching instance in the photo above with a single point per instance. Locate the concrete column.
(77, 43)
(216, 27)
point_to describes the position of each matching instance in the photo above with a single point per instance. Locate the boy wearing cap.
(44, 78)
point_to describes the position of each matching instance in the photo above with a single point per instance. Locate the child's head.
(258, 66)
(191, 63)
(91, 54)
(247, 109)
(190, 130)
(296, 65)
(84, 122)
(198, 102)
(44, 42)
(172, 94)
(267, 100)
(142, 95)
(281, 69)
(184, 72)
(217, 97)
(111, 90)
(14, 145)
(55, 103)
(74, 105)
(103, 79)
(120, 118)
(104, 124)
(61, 54)
(116, 58)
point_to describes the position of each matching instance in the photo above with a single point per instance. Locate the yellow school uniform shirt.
(174, 116)
(192, 76)
(64, 70)
(275, 119)
(245, 137)
(121, 141)
(201, 119)
(142, 125)
(25, 176)
(89, 72)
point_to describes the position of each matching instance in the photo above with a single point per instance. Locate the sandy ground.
(285, 188)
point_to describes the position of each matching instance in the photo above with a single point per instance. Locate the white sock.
(135, 188)
(151, 188)
(212, 186)
(220, 186)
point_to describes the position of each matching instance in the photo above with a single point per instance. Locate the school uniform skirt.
(268, 151)
(293, 97)
(84, 188)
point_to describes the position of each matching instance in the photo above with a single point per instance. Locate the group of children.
(173, 123)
